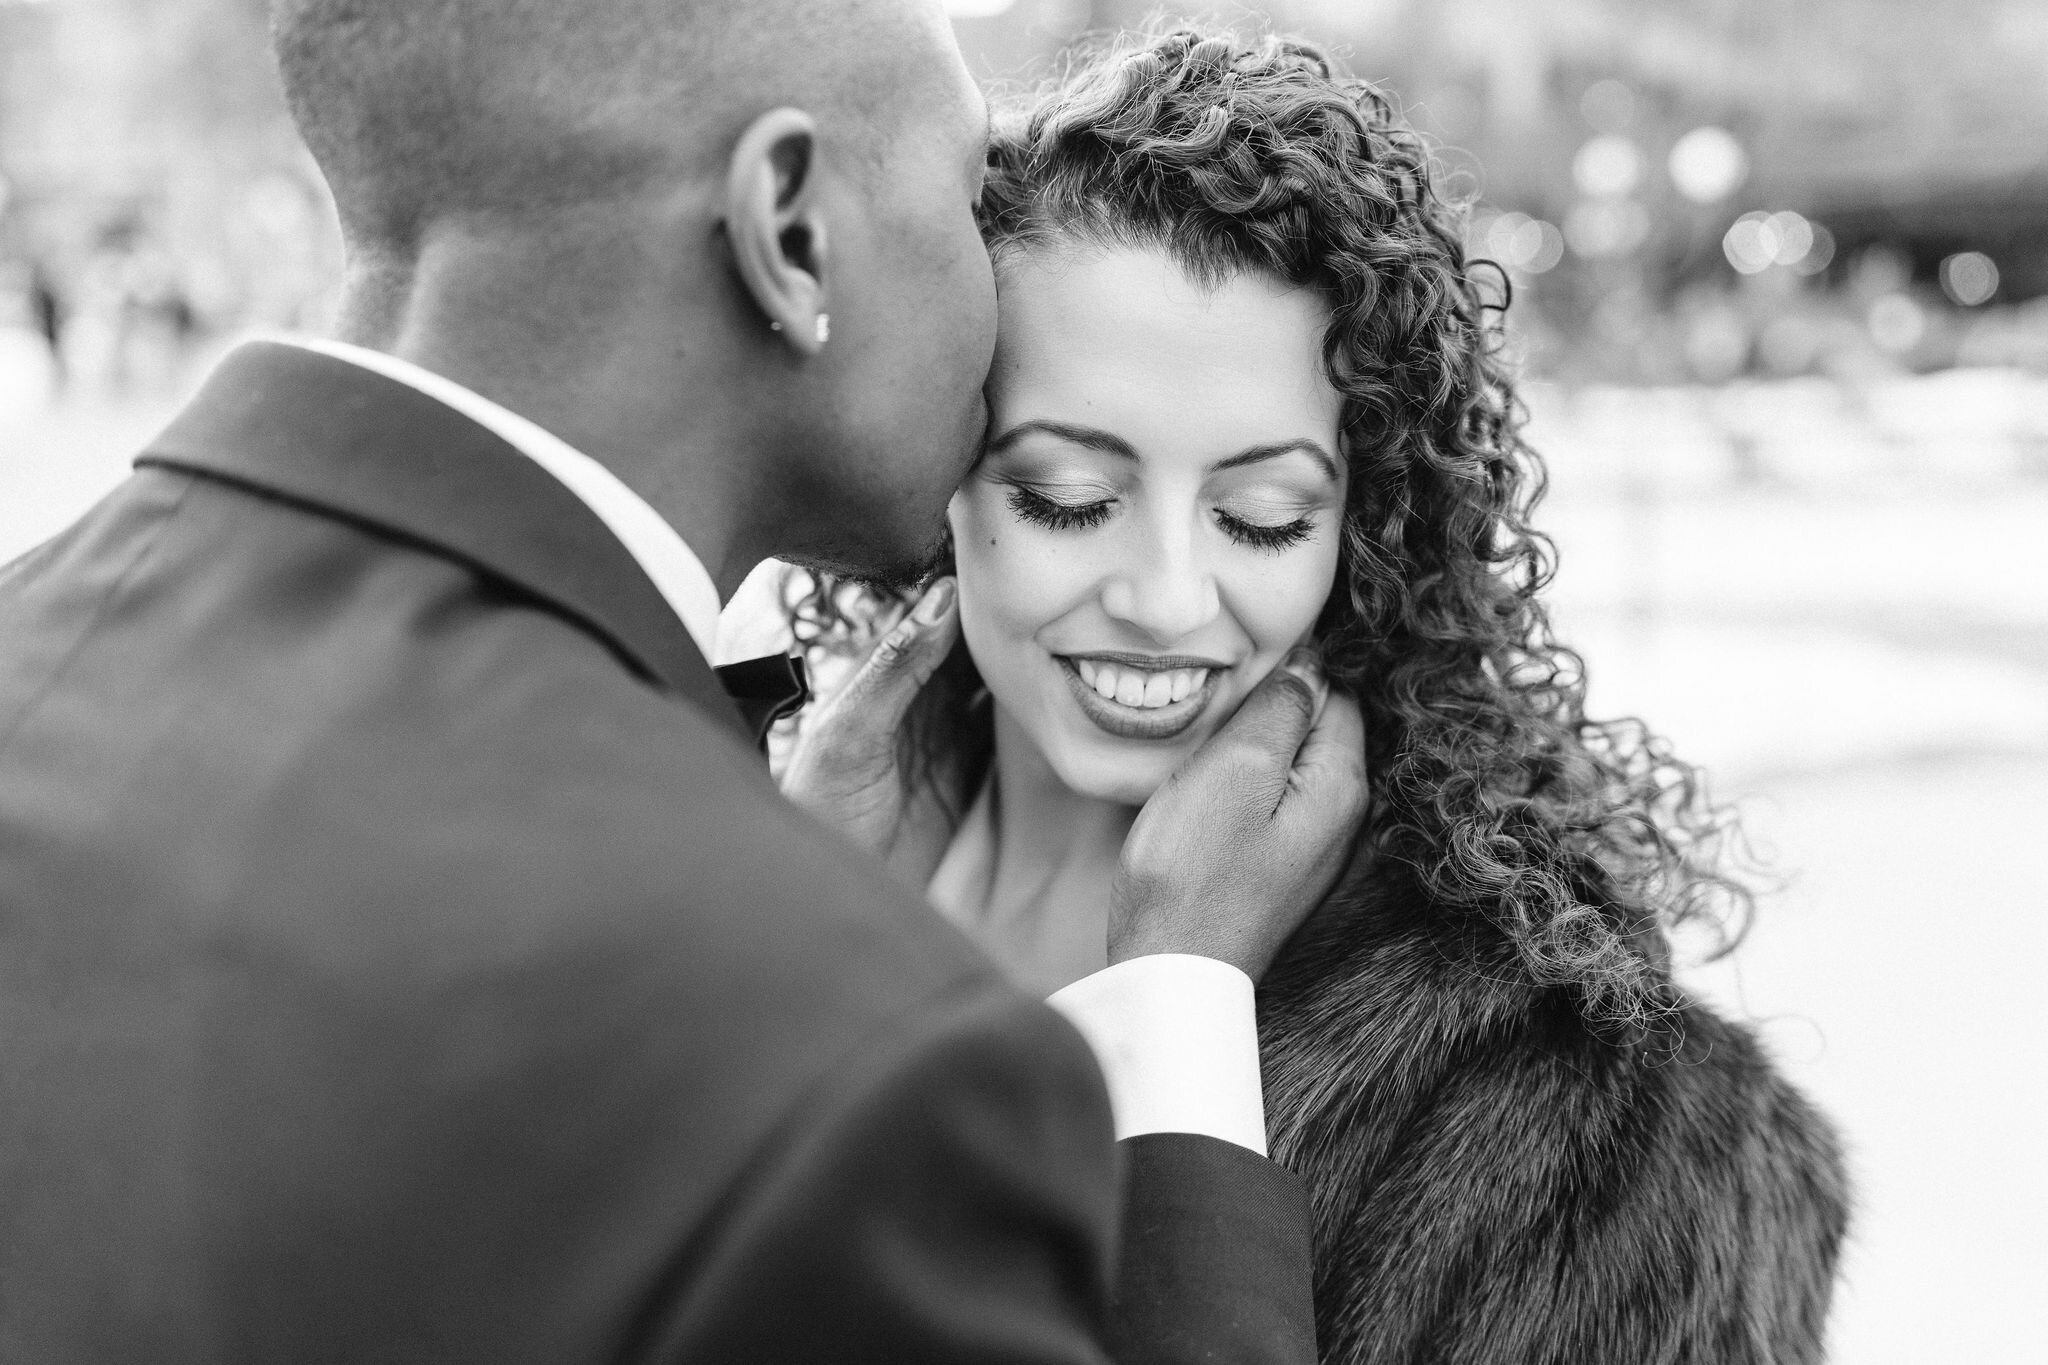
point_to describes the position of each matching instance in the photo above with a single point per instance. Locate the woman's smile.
(1132, 696)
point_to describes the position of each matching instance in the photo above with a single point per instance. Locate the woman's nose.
(1168, 598)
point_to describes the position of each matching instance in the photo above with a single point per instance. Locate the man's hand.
(843, 767)
(1248, 836)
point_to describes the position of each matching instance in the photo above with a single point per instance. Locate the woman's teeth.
(1141, 687)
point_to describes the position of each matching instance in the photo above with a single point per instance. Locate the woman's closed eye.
(1074, 509)
(1262, 534)
(1267, 518)
(1078, 509)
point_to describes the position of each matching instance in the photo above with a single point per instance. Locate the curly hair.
(1579, 841)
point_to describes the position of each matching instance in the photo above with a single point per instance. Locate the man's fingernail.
(938, 600)
(1303, 664)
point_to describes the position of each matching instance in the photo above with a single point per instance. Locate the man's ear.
(773, 222)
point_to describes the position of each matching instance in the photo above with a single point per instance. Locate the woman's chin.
(1118, 775)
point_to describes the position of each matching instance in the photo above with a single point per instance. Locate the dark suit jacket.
(404, 956)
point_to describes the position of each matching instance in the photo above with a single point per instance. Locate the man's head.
(625, 218)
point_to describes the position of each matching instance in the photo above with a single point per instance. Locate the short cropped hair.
(420, 108)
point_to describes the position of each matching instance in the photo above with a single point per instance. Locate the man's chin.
(901, 574)
(906, 575)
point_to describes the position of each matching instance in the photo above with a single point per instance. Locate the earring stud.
(824, 328)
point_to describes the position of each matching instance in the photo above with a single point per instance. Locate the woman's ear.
(773, 222)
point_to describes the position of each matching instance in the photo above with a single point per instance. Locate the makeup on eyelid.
(1263, 518)
(1058, 514)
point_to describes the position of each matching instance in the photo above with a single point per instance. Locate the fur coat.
(1495, 1181)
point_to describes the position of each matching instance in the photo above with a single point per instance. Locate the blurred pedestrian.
(49, 314)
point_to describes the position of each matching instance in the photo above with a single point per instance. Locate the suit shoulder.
(390, 770)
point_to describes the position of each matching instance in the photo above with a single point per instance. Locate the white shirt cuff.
(1178, 1042)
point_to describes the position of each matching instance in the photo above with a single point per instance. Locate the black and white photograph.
(1023, 682)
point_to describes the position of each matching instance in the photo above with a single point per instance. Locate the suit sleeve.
(1215, 1260)
(954, 1200)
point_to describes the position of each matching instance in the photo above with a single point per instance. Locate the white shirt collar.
(661, 553)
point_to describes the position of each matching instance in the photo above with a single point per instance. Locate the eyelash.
(1061, 516)
(1270, 538)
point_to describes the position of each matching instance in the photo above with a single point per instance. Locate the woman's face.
(1156, 520)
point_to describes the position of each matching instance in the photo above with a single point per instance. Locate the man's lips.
(1132, 680)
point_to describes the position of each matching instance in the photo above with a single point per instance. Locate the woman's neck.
(1045, 904)
(1042, 824)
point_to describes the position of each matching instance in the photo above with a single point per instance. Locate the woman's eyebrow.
(1256, 454)
(1093, 438)
(1109, 443)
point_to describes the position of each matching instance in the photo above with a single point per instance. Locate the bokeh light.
(1519, 242)
(1607, 167)
(1819, 254)
(1750, 244)
(1794, 234)
(1969, 278)
(1708, 164)
(1757, 241)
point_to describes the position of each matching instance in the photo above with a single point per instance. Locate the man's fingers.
(1270, 727)
(1331, 762)
(904, 660)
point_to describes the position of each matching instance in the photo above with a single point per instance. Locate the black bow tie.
(765, 690)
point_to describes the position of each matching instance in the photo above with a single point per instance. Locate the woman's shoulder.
(1388, 1005)
(1464, 1128)
(1386, 973)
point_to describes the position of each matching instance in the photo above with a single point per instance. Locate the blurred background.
(1781, 272)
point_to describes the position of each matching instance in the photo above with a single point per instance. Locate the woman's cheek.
(1033, 584)
(976, 517)
(1007, 572)
(1277, 604)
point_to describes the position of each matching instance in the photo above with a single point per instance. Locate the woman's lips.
(1088, 676)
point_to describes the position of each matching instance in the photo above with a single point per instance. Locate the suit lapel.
(350, 443)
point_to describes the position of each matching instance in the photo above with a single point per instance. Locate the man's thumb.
(1277, 716)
